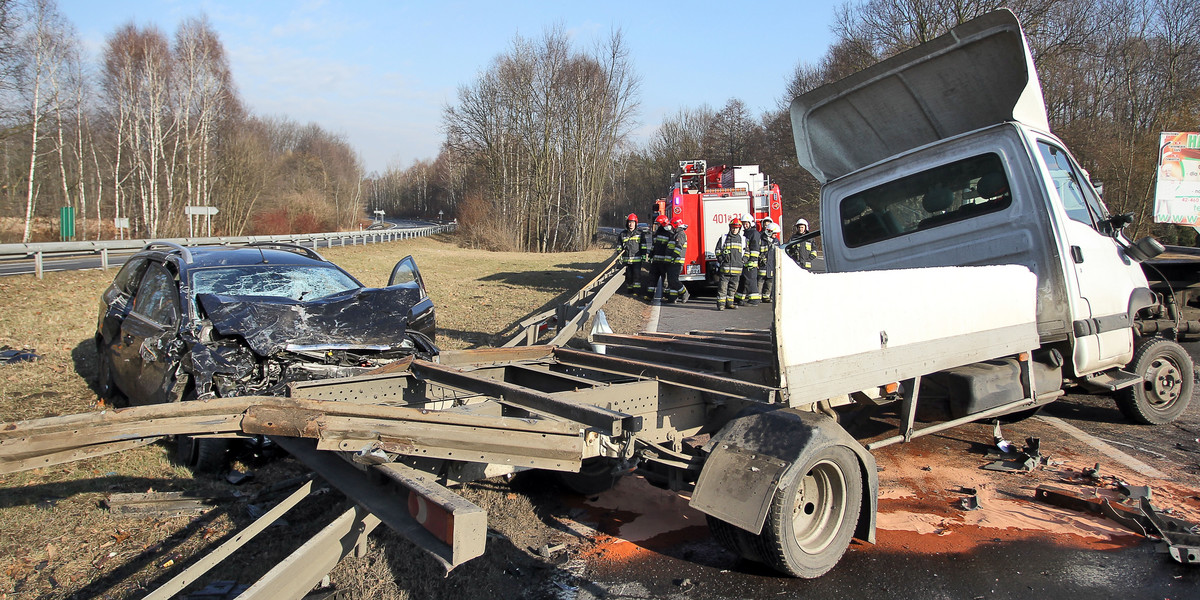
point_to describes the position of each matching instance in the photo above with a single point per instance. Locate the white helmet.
(802, 222)
(748, 218)
(771, 227)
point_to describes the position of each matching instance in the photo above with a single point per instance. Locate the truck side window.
(946, 194)
(1078, 198)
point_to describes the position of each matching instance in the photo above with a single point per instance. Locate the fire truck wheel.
(814, 513)
(1166, 388)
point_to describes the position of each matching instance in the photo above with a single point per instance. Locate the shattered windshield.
(295, 282)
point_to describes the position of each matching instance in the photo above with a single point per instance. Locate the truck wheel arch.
(755, 452)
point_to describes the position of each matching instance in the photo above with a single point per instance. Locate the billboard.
(1177, 194)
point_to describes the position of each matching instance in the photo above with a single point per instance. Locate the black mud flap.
(750, 455)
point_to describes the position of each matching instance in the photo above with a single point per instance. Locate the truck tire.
(1166, 388)
(735, 539)
(814, 513)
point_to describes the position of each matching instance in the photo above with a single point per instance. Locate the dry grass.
(58, 542)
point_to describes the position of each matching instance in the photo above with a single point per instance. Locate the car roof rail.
(184, 252)
(296, 248)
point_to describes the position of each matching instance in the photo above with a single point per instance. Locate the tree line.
(1114, 74)
(149, 128)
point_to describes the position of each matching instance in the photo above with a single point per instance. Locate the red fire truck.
(707, 198)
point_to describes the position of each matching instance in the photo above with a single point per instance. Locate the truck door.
(1103, 338)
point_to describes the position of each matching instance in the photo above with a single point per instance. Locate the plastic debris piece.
(12, 356)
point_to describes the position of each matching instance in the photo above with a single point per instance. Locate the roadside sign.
(1177, 194)
(199, 210)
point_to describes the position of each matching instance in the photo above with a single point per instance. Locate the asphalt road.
(1027, 565)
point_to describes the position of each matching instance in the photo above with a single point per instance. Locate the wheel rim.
(820, 507)
(1164, 382)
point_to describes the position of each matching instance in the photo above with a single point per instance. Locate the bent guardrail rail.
(39, 251)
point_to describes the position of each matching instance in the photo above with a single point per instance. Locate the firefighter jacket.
(660, 250)
(731, 253)
(754, 240)
(766, 257)
(630, 243)
(677, 247)
(801, 252)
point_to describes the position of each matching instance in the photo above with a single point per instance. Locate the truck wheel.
(814, 513)
(1166, 389)
(735, 539)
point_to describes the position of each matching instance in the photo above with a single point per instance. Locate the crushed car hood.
(369, 318)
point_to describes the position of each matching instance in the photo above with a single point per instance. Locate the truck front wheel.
(1166, 388)
(813, 514)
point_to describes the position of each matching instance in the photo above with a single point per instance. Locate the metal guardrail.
(40, 251)
(572, 313)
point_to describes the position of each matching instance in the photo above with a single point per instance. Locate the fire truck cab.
(707, 199)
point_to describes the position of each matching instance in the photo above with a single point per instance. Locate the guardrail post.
(104, 258)
(37, 264)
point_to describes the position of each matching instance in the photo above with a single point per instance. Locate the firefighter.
(766, 261)
(801, 252)
(659, 257)
(676, 250)
(632, 254)
(731, 256)
(748, 292)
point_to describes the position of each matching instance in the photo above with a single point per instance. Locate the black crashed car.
(219, 321)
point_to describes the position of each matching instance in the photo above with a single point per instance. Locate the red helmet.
(631, 217)
(735, 222)
(661, 220)
(677, 222)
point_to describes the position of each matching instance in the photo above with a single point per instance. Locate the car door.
(146, 351)
(422, 316)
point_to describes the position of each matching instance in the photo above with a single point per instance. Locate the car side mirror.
(1145, 249)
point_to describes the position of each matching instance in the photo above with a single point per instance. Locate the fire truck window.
(946, 194)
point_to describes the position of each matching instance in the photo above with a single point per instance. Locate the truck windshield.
(946, 194)
(1077, 195)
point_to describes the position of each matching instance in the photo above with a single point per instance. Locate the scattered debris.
(1093, 472)
(12, 356)
(1133, 491)
(237, 477)
(1012, 460)
(969, 503)
(1180, 537)
(546, 551)
(159, 504)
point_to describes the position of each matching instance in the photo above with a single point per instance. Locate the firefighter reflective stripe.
(753, 246)
(630, 243)
(677, 247)
(661, 250)
(730, 251)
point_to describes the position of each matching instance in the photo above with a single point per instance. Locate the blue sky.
(381, 72)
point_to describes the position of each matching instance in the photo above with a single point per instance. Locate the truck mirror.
(1145, 249)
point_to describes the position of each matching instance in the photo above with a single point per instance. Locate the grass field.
(58, 540)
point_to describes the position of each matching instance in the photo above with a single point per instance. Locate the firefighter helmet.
(748, 218)
(735, 222)
(677, 222)
(631, 217)
(800, 222)
(661, 220)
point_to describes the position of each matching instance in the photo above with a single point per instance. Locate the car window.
(130, 275)
(1078, 198)
(945, 194)
(295, 282)
(157, 298)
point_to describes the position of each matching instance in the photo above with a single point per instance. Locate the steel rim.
(1165, 382)
(819, 508)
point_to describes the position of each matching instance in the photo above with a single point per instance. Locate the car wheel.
(204, 454)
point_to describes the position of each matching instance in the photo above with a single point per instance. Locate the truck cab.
(943, 156)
